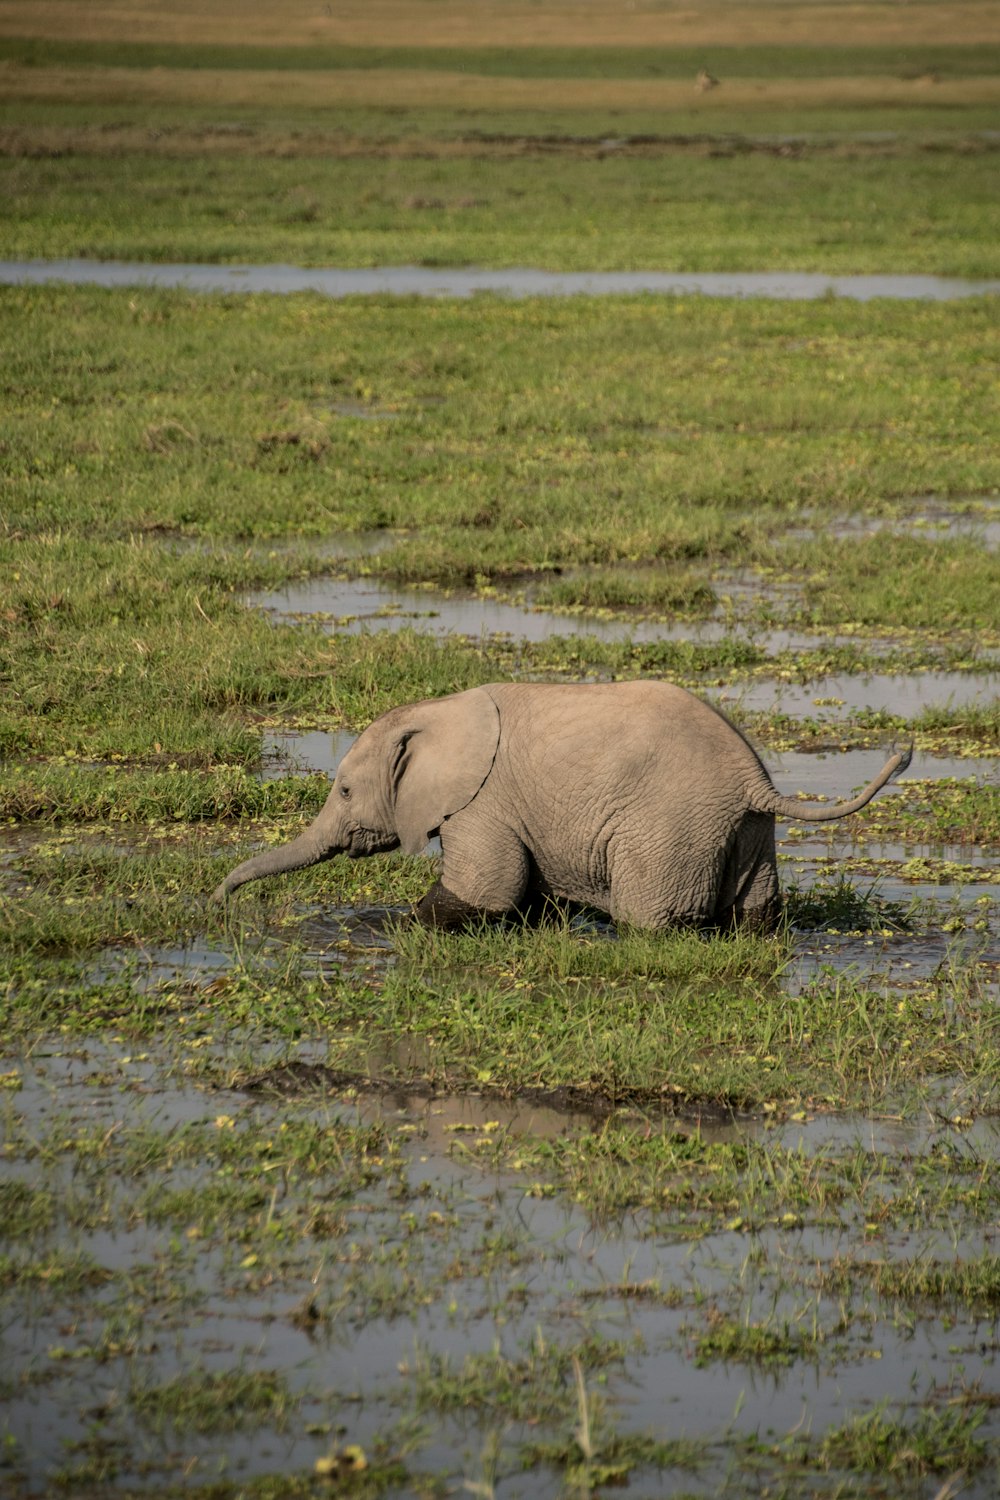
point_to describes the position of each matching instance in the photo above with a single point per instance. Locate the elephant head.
(410, 770)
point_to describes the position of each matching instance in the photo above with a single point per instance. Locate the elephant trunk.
(310, 848)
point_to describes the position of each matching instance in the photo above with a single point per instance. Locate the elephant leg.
(750, 898)
(666, 885)
(486, 872)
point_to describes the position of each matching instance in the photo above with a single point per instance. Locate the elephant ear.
(445, 752)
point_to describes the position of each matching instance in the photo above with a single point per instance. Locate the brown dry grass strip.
(506, 23)
(424, 89)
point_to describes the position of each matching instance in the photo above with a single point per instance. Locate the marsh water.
(464, 281)
(539, 1273)
(438, 1267)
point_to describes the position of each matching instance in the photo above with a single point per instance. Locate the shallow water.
(906, 693)
(359, 605)
(448, 1260)
(932, 517)
(301, 754)
(421, 281)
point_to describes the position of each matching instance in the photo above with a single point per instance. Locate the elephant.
(635, 798)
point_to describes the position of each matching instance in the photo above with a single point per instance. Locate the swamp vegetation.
(297, 1198)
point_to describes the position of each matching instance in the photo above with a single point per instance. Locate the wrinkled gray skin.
(636, 798)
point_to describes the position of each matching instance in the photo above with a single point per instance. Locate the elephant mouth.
(365, 841)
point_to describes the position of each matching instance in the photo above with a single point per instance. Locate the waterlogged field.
(297, 1198)
(299, 1189)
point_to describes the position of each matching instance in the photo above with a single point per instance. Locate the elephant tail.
(806, 812)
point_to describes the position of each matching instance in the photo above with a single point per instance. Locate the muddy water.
(356, 605)
(363, 605)
(930, 517)
(421, 281)
(396, 1295)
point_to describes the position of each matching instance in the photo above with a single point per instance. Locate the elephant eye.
(345, 791)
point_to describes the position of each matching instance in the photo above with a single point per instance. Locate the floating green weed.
(841, 907)
(946, 810)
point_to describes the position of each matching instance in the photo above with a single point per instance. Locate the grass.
(936, 1443)
(973, 1282)
(563, 139)
(291, 1203)
(680, 212)
(945, 57)
(445, 24)
(752, 1344)
(206, 1401)
(878, 581)
(841, 906)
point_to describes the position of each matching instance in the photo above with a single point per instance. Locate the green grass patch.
(935, 1443)
(612, 590)
(568, 61)
(753, 1344)
(974, 1282)
(216, 1401)
(883, 581)
(74, 793)
(724, 210)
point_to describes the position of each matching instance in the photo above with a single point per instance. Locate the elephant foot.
(442, 908)
(755, 921)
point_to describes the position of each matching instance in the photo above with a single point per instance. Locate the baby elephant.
(636, 798)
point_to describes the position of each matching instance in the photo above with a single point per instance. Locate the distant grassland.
(511, 24)
(341, 86)
(909, 61)
(572, 136)
(933, 212)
